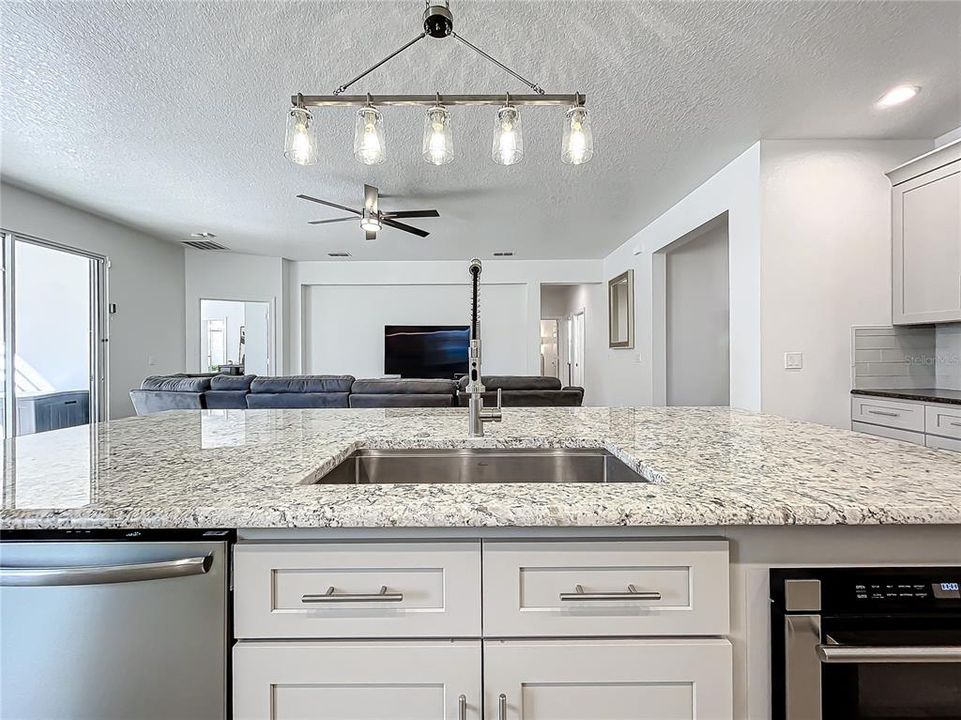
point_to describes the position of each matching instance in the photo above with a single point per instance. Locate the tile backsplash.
(947, 366)
(894, 357)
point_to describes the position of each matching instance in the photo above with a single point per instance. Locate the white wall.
(429, 276)
(217, 275)
(638, 376)
(826, 265)
(145, 280)
(344, 324)
(698, 312)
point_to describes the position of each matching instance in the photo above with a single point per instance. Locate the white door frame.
(583, 345)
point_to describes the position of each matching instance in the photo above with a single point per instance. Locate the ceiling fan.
(372, 218)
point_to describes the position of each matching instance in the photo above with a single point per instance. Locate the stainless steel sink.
(481, 465)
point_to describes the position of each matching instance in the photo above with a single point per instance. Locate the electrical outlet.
(793, 361)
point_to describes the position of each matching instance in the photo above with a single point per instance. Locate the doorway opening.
(697, 317)
(564, 311)
(54, 336)
(235, 337)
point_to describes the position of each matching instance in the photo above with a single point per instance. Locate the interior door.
(373, 680)
(654, 679)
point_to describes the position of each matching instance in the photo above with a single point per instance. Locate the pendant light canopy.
(369, 147)
(508, 145)
(438, 145)
(300, 144)
(577, 147)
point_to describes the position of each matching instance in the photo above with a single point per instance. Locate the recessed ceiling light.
(898, 95)
(203, 235)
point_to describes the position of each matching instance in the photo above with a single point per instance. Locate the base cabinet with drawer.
(493, 630)
(934, 425)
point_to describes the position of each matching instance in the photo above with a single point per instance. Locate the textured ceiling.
(169, 115)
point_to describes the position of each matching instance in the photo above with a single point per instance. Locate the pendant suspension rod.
(431, 100)
(533, 86)
(369, 70)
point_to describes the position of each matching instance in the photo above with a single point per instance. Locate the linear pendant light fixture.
(577, 146)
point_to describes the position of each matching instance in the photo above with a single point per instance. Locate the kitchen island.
(528, 600)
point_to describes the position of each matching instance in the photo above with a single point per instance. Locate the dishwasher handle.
(104, 574)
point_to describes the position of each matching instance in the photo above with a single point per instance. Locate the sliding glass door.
(54, 336)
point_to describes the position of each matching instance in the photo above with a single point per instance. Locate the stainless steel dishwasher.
(114, 629)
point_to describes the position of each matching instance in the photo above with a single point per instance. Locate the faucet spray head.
(475, 266)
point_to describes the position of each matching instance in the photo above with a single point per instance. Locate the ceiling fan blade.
(371, 234)
(370, 198)
(406, 228)
(329, 204)
(324, 222)
(411, 214)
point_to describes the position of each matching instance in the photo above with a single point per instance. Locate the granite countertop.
(244, 469)
(932, 395)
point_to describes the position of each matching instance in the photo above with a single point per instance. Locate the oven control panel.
(906, 590)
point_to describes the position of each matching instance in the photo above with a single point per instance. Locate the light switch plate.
(793, 360)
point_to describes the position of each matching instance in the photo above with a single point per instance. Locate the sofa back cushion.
(403, 386)
(516, 382)
(302, 384)
(231, 382)
(256, 401)
(398, 400)
(177, 383)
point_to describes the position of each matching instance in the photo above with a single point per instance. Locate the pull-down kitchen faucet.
(477, 413)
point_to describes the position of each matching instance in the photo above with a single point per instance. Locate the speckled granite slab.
(254, 469)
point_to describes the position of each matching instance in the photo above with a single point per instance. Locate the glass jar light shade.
(438, 147)
(369, 147)
(578, 144)
(508, 145)
(300, 143)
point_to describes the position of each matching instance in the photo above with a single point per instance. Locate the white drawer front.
(889, 433)
(614, 588)
(944, 420)
(345, 590)
(357, 680)
(942, 443)
(889, 413)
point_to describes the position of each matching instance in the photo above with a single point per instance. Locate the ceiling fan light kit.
(577, 146)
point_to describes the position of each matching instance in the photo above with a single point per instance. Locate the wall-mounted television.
(426, 351)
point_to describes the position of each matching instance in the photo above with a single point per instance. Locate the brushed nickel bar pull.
(632, 594)
(332, 596)
(462, 707)
(502, 707)
(891, 654)
(103, 574)
(886, 414)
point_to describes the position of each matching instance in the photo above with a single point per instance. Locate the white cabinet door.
(926, 212)
(357, 681)
(668, 679)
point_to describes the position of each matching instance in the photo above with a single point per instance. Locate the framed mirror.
(620, 310)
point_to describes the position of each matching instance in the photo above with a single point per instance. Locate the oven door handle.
(833, 652)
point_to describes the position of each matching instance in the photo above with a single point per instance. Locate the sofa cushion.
(568, 397)
(516, 382)
(231, 382)
(226, 399)
(403, 386)
(381, 400)
(303, 384)
(297, 400)
(177, 383)
(147, 402)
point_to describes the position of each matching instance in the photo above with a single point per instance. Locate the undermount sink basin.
(480, 465)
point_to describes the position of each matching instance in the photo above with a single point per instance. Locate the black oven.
(866, 643)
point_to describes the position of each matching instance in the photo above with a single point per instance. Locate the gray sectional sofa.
(240, 392)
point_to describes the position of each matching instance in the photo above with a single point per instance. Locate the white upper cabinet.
(926, 237)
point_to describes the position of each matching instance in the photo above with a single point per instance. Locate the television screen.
(426, 351)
